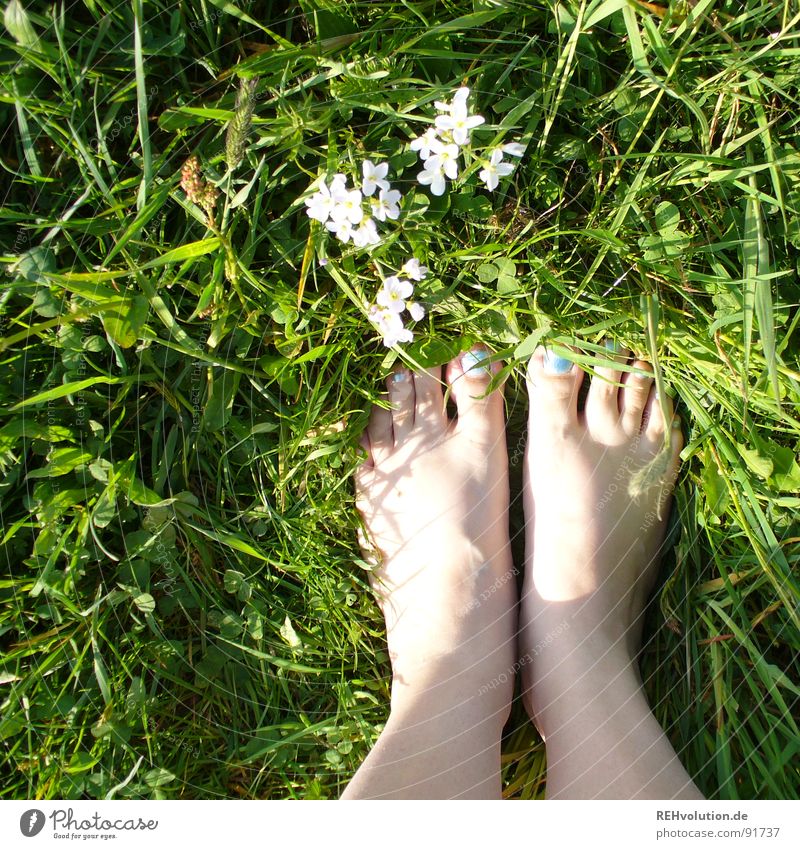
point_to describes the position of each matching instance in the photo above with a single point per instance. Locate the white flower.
(389, 325)
(514, 149)
(366, 234)
(394, 292)
(397, 334)
(434, 179)
(374, 177)
(494, 169)
(423, 143)
(347, 206)
(384, 319)
(416, 310)
(412, 268)
(343, 230)
(320, 204)
(380, 316)
(459, 122)
(386, 205)
(444, 157)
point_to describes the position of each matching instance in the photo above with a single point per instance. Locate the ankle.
(579, 670)
(452, 691)
(585, 625)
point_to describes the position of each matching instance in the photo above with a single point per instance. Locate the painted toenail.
(399, 377)
(555, 364)
(474, 365)
(612, 345)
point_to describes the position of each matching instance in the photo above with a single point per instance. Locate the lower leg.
(438, 743)
(601, 736)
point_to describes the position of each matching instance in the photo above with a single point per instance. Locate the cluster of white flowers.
(350, 213)
(341, 209)
(439, 146)
(393, 299)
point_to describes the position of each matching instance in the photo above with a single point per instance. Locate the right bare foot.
(595, 549)
(592, 552)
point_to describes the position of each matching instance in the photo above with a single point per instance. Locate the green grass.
(184, 611)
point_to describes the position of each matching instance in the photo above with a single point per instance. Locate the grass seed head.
(239, 126)
(197, 189)
(191, 179)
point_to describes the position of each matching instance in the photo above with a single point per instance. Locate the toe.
(634, 394)
(602, 402)
(430, 417)
(400, 385)
(479, 413)
(553, 384)
(657, 417)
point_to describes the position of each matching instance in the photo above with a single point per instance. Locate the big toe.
(553, 384)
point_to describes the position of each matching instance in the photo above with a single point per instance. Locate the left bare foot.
(434, 498)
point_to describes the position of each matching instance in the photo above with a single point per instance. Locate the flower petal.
(514, 149)
(438, 184)
(416, 310)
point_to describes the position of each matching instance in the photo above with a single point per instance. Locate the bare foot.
(595, 548)
(434, 498)
(592, 553)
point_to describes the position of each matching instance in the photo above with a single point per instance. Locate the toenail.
(399, 377)
(556, 364)
(474, 363)
(612, 345)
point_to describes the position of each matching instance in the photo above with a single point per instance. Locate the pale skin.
(434, 495)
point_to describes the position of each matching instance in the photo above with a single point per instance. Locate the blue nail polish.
(555, 364)
(612, 345)
(474, 363)
(398, 377)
